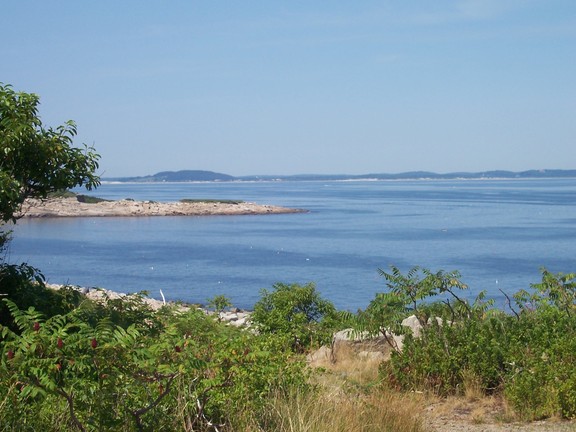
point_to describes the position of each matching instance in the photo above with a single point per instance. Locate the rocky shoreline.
(71, 207)
(233, 316)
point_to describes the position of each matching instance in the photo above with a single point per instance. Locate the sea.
(498, 234)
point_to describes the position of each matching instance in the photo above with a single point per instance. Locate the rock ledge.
(71, 207)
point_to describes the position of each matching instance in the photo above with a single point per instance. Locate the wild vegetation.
(70, 363)
(116, 364)
(95, 369)
(525, 355)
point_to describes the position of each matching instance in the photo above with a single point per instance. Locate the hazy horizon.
(305, 174)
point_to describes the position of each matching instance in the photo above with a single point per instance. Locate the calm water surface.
(497, 233)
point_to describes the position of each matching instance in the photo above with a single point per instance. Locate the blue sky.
(291, 87)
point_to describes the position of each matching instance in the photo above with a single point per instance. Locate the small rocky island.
(81, 206)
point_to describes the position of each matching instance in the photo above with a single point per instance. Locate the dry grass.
(347, 363)
(353, 380)
(472, 387)
(346, 401)
(376, 412)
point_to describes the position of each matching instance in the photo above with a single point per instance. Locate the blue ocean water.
(497, 233)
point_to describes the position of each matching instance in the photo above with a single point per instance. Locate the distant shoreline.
(198, 176)
(71, 207)
(343, 180)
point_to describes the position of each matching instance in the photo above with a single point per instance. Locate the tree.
(36, 160)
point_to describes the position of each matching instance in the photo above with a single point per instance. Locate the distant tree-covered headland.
(207, 176)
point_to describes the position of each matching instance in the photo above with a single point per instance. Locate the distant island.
(85, 206)
(210, 176)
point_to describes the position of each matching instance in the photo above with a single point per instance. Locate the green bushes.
(70, 363)
(527, 356)
(174, 371)
(542, 381)
(24, 285)
(297, 314)
(88, 199)
(219, 303)
(445, 356)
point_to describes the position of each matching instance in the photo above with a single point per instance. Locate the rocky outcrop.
(235, 317)
(71, 207)
(364, 345)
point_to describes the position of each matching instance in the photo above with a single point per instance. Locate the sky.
(304, 86)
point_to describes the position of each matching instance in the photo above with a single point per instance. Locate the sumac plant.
(420, 292)
(65, 373)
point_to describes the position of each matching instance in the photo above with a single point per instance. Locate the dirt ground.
(487, 415)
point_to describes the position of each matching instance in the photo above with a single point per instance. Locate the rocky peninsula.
(75, 207)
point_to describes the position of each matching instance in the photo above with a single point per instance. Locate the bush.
(193, 372)
(219, 303)
(527, 356)
(296, 313)
(88, 199)
(542, 381)
(25, 286)
(411, 294)
(445, 356)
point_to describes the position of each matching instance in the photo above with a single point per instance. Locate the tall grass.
(376, 412)
(347, 397)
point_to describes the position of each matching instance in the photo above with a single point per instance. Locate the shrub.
(219, 303)
(25, 286)
(411, 294)
(90, 199)
(444, 356)
(296, 313)
(527, 356)
(190, 373)
(123, 311)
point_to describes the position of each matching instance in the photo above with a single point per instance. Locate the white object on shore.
(162, 294)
